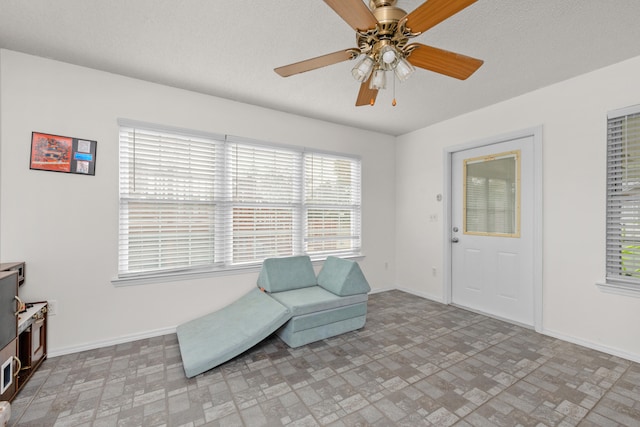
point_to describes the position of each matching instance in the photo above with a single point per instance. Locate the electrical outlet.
(434, 271)
(53, 307)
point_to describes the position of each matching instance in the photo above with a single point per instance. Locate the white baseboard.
(422, 295)
(171, 330)
(594, 346)
(379, 290)
(134, 337)
(555, 334)
(106, 343)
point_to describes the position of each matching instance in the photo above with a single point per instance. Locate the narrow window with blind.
(266, 189)
(199, 203)
(331, 204)
(623, 200)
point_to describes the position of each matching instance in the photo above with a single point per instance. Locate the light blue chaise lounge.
(290, 300)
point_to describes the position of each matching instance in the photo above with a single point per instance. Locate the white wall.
(573, 115)
(65, 226)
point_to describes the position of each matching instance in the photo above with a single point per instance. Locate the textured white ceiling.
(230, 48)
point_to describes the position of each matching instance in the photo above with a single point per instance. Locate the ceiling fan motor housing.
(386, 32)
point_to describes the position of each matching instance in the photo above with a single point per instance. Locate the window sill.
(619, 289)
(177, 276)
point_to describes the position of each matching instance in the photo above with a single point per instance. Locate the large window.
(623, 199)
(191, 202)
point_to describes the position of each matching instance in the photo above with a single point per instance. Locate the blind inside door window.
(623, 198)
(491, 195)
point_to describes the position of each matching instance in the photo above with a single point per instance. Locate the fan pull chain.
(394, 92)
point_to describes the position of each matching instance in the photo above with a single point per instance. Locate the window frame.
(514, 190)
(615, 282)
(222, 263)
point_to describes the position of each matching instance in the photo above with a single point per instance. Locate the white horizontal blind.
(168, 200)
(623, 199)
(266, 184)
(332, 204)
(491, 195)
(194, 203)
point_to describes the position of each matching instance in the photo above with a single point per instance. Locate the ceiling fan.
(382, 35)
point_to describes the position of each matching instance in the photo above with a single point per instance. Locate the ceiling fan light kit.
(382, 35)
(403, 69)
(363, 68)
(378, 80)
(388, 54)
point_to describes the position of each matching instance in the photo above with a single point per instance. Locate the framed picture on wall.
(62, 154)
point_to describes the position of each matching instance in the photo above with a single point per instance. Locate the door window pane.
(492, 195)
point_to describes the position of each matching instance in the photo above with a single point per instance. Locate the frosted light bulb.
(388, 54)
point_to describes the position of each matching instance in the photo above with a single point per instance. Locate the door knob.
(454, 240)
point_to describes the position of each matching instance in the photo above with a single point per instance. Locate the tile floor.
(415, 363)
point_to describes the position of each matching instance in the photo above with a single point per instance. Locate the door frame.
(536, 134)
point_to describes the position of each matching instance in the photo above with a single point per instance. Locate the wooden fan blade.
(354, 12)
(317, 62)
(366, 96)
(442, 61)
(433, 12)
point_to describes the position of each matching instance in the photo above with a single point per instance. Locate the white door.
(492, 229)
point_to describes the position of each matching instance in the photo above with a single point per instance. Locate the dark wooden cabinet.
(23, 333)
(9, 307)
